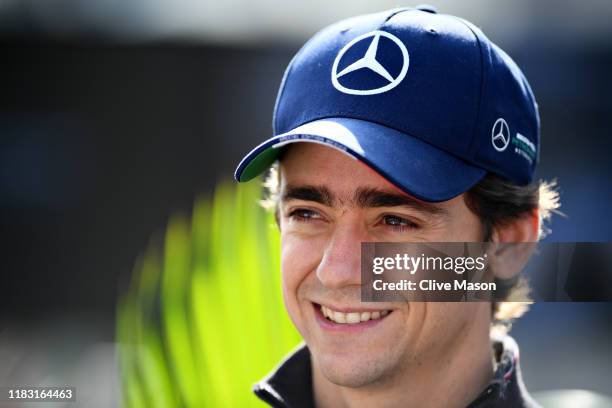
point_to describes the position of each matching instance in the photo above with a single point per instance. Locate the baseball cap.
(424, 99)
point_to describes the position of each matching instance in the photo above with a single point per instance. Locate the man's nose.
(341, 262)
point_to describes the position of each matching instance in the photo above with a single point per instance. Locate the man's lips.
(347, 318)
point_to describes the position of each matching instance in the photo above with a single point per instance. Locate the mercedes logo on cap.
(500, 135)
(369, 61)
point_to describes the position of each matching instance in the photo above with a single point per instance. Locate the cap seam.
(283, 84)
(475, 128)
(396, 12)
(281, 92)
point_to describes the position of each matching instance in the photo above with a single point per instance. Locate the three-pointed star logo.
(369, 61)
(500, 135)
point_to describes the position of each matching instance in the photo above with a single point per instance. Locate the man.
(404, 125)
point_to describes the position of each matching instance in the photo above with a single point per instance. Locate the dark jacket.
(290, 384)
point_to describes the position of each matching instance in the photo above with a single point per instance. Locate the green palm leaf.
(204, 319)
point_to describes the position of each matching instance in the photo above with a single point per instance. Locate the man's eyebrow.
(318, 194)
(372, 198)
(363, 198)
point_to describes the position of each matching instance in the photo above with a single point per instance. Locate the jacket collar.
(290, 384)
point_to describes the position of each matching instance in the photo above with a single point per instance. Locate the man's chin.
(349, 370)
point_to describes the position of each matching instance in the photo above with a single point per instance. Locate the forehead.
(318, 164)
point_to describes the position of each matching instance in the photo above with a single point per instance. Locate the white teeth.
(339, 317)
(352, 317)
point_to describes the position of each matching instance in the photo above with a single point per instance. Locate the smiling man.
(399, 126)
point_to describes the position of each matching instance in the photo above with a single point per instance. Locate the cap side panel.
(484, 71)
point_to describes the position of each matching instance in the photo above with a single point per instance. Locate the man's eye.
(303, 214)
(398, 223)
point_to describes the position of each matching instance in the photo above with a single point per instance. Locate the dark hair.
(497, 201)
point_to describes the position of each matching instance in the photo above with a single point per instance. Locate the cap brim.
(414, 166)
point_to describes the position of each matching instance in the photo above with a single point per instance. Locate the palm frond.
(204, 318)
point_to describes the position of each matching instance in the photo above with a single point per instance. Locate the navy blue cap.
(425, 99)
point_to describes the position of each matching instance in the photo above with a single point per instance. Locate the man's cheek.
(291, 267)
(290, 289)
(292, 274)
(298, 260)
(299, 257)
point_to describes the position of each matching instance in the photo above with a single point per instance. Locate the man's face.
(329, 204)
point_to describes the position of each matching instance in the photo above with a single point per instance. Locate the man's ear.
(513, 244)
(522, 229)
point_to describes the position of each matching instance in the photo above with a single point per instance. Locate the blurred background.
(116, 115)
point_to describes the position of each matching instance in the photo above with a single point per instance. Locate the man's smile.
(348, 319)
